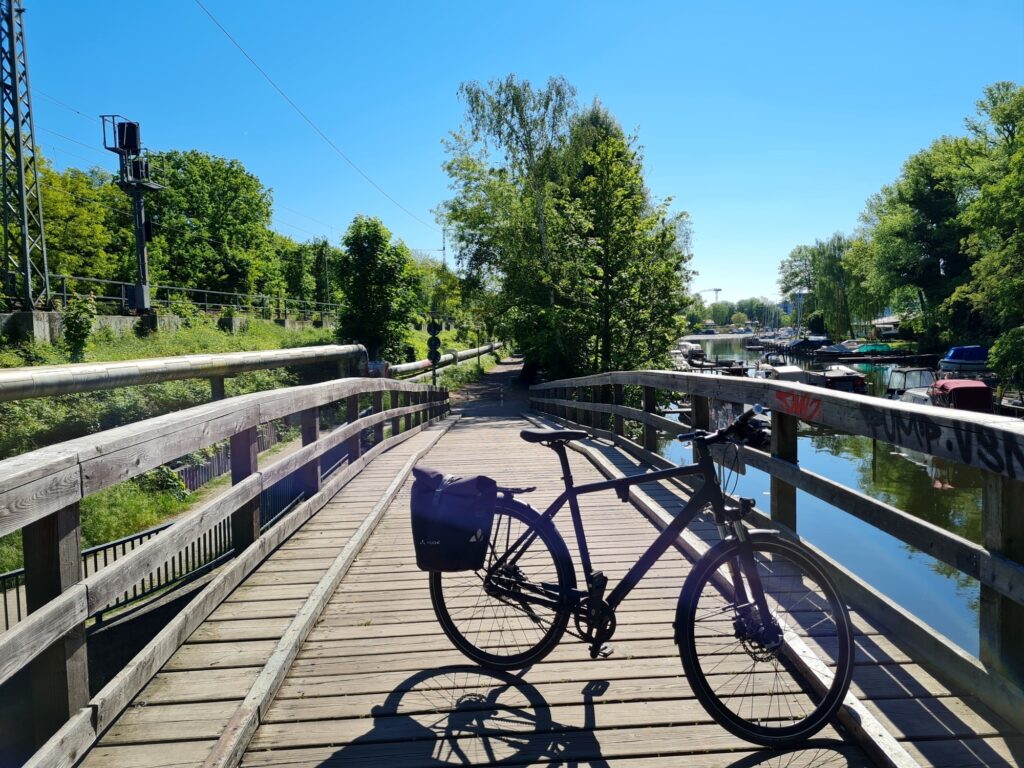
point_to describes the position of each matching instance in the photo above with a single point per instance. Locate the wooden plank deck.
(376, 683)
(180, 714)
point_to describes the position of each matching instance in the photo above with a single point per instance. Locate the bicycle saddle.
(552, 435)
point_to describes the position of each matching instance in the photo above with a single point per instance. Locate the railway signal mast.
(25, 278)
(124, 138)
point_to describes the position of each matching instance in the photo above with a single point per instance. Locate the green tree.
(526, 126)
(630, 254)
(608, 289)
(739, 318)
(379, 284)
(211, 223)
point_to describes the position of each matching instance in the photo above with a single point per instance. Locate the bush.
(77, 318)
(164, 480)
(1007, 357)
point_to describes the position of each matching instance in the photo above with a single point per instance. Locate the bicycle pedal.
(604, 651)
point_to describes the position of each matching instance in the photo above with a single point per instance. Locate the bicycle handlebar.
(739, 425)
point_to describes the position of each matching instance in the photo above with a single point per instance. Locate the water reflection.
(942, 492)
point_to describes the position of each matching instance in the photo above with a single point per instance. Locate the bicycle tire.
(499, 633)
(757, 692)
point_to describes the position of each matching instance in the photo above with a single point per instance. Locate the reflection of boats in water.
(944, 474)
(902, 379)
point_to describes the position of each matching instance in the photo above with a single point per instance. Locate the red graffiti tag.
(802, 406)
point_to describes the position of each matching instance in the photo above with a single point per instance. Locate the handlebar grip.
(686, 437)
(749, 414)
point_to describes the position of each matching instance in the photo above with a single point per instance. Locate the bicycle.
(750, 612)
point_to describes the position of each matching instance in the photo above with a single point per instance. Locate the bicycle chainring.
(595, 621)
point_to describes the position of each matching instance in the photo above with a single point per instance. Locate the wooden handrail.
(42, 485)
(994, 444)
(990, 442)
(50, 380)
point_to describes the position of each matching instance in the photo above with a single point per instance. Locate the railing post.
(576, 412)
(700, 416)
(310, 420)
(406, 402)
(217, 388)
(377, 399)
(245, 522)
(396, 421)
(1001, 622)
(784, 446)
(352, 445)
(650, 405)
(620, 426)
(60, 674)
(604, 419)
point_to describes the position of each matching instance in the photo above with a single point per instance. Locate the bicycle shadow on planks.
(465, 715)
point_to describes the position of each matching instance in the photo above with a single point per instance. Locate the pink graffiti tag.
(802, 406)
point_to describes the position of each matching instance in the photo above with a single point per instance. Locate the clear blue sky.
(771, 123)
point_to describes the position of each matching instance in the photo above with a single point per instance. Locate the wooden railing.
(50, 380)
(994, 444)
(40, 494)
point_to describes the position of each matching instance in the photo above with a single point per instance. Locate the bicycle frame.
(709, 493)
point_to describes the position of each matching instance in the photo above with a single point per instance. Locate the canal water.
(942, 492)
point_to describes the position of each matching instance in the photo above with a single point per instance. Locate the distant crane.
(716, 291)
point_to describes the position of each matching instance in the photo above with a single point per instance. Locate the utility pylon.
(26, 276)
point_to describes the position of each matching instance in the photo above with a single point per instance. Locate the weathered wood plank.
(31, 636)
(987, 441)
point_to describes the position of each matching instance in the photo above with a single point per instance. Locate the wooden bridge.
(315, 644)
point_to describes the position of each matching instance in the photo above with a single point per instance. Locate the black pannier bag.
(451, 519)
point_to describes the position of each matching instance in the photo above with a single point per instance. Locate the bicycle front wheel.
(506, 616)
(773, 680)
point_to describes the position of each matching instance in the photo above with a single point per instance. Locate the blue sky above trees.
(771, 124)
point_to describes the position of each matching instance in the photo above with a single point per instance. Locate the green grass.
(107, 515)
(457, 376)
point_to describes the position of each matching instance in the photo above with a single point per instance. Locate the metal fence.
(121, 295)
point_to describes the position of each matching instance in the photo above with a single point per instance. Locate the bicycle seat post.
(563, 458)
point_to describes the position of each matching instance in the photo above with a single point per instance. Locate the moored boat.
(842, 378)
(959, 394)
(962, 359)
(902, 379)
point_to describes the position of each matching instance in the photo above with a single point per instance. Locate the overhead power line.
(308, 120)
(66, 106)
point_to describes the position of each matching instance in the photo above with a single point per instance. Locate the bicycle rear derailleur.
(595, 620)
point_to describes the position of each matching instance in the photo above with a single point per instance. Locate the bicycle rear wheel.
(511, 615)
(774, 682)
